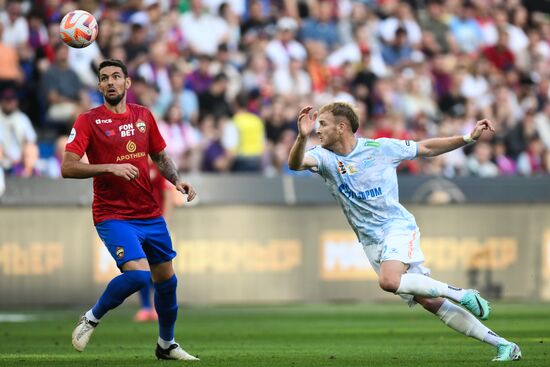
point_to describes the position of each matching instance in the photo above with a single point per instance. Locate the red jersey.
(128, 137)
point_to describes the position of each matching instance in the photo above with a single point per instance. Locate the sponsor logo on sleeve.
(341, 168)
(72, 135)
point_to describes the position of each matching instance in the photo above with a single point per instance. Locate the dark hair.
(113, 62)
(343, 109)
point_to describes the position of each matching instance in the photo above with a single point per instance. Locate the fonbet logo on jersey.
(131, 147)
(126, 130)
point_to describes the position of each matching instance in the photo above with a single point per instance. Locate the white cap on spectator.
(139, 18)
(148, 3)
(287, 23)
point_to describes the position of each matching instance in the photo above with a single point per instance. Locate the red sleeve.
(79, 137)
(156, 141)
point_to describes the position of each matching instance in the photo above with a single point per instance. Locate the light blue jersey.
(364, 183)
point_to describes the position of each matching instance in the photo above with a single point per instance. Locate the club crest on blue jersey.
(120, 252)
(369, 161)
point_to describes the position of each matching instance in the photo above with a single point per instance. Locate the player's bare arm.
(168, 169)
(296, 159)
(437, 146)
(72, 167)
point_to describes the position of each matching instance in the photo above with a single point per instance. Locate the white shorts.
(400, 246)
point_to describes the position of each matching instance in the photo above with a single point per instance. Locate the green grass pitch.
(291, 336)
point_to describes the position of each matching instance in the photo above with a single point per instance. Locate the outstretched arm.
(168, 170)
(296, 159)
(437, 146)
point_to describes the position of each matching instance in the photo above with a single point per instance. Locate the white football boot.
(174, 352)
(82, 333)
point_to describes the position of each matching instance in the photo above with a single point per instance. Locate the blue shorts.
(135, 239)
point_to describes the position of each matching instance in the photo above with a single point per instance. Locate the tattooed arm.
(168, 170)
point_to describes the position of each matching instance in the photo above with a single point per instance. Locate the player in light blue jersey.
(361, 175)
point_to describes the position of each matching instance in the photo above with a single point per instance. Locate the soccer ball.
(78, 29)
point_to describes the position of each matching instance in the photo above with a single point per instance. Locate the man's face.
(113, 84)
(8, 105)
(328, 130)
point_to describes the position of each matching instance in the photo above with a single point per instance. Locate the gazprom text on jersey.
(362, 195)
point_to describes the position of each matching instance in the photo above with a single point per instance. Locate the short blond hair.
(343, 109)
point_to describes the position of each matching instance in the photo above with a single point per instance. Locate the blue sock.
(166, 304)
(145, 295)
(119, 289)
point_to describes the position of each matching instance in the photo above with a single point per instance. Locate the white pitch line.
(16, 317)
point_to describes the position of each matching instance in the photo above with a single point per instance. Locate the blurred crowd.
(225, 79)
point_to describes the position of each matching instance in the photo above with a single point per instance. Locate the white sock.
(494, 339)
(465, 323)
(90, 316)
(423, 286)
(165, 344)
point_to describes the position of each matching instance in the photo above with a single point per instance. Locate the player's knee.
(167, 286)
(140, 277)
(389, 283)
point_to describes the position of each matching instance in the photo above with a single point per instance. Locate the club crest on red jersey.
(141, 126)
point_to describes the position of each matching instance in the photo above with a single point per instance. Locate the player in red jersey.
(118, 138)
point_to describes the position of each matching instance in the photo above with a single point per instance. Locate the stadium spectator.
(27, 166)
(215, 157)
(16, 27)
(499, 55)
(251, 135)
(180, 94)
(15, 128)
(203, 31)
(200, 78)
(257, 26)
(465, 30)
(321, 26)
(506, 165)
(136, 46)
(293, 81)
(404, 19)
(214, 100)
(435, 24)
(155, 70)
(181, 139)
(51, 167)
(530, 161)
(62, 89)
(10, 71)
(223, 63)
(479, 163)
(397, 52)
(284, 46)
